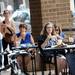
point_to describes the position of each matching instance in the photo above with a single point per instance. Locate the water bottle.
(18, 43)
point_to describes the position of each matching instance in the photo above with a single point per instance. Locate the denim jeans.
(0, 52)
(71, 62)
(5, 44)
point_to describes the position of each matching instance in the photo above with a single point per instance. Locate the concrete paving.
(5, 73)
(30, 73)
(8, 72)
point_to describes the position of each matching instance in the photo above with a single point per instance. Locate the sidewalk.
(30, 73)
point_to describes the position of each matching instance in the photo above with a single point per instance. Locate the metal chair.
(45, 56)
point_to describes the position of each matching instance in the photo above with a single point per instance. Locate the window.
(1, 7)
(20, 11)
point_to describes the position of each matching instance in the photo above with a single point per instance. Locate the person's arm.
(17, 38)
(45, 43)
(2, 28)
(32, 40)
(59, 42)
(62, 35)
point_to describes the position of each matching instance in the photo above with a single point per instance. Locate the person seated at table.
(25, 38)
(50, 37)
(49, 40)
(58, 32)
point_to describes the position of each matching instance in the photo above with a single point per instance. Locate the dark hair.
(58, 28)
(22, 25)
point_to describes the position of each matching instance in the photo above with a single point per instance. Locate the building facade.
(14, 3)
(43, 11)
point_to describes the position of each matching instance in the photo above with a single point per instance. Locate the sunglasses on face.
(6, 12)
(57, 29)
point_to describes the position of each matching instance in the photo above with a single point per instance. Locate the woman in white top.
(7, 28)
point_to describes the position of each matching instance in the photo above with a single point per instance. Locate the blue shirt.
(27, 38)
(62, 35)
(52, 42)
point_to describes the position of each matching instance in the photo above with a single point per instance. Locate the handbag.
(9, 36)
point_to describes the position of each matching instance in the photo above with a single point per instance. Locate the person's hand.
(49, 37)
(59, 42)
(22, 35)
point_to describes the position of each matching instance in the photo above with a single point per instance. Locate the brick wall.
(57, 11)
(36, 17)
(64, 16)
